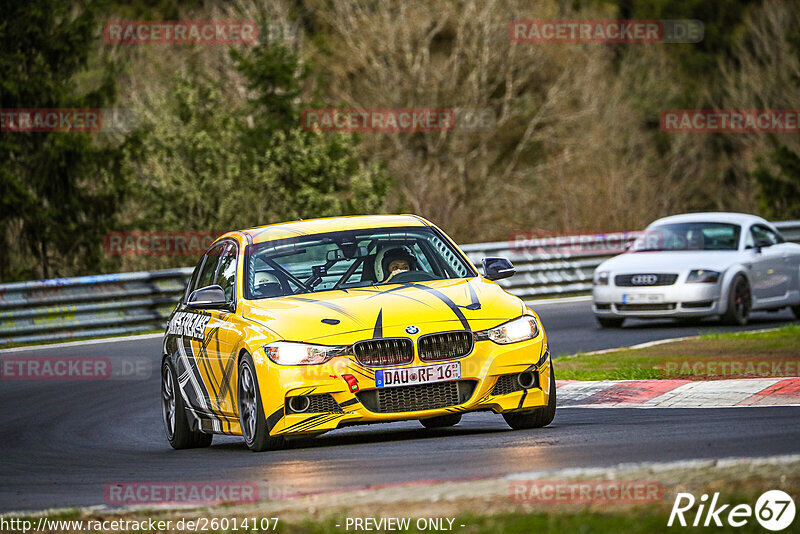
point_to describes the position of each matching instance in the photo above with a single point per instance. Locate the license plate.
(642, 298)
(404, 376)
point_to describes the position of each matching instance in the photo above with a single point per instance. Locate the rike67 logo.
(774, 510)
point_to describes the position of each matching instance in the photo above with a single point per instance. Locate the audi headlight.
(601, 278)
(701, 276)
(289, 353)
(519, 329)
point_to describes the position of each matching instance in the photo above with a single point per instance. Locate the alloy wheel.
(248, 406)
(168, 401)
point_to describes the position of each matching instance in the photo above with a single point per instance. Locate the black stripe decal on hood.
(444, 298)
(328, 305)
(378, 331)
(391, 291)
(474, 304)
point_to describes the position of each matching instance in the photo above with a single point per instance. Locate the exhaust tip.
(299, 404)
(526, 380)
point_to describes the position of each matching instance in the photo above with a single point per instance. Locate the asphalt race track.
(62, 442)
(571, 327)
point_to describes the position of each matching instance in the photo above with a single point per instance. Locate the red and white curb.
(679, 393)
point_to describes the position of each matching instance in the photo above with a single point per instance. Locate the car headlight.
(702, 276)
(601, 278)
(519, 329)
(289, 353)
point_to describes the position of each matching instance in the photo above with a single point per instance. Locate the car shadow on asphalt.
(710, 324)
(351, 436)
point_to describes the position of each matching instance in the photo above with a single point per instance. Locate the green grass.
(491, 514)
(781, 345)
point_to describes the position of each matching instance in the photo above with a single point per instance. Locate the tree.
(779, 185)
(212, 162)
(58, 190)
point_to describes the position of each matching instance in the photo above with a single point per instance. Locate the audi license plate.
(642, 298)
(405, 376)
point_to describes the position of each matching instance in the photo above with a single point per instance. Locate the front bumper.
(677, 300)
(484, 365)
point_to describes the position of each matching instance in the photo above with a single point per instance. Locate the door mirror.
(497, 268)
(762, 243)
(207, 297)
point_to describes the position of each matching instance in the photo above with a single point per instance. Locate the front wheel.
(538, 417)
(251, 411)
(173, 413)
(441, 421)
(740, 302)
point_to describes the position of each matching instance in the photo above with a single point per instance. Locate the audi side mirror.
(497, 268)
(207, 297)
(761, 243)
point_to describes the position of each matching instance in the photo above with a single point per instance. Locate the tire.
(610, 322)
(536, 418)
(173, 413)
(251, 411)
(796, 311)
(441, 421)
(740, 302)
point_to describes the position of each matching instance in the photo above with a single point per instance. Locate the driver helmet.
(394, 254)
(263, 278)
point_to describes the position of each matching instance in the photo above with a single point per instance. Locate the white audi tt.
(698, 265)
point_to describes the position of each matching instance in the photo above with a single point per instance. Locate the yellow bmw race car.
(299, 328)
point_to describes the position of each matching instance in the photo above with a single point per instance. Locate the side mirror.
(762, 243)
(207, 297)
(497, 268)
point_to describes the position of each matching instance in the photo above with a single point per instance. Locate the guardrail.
(114, 304)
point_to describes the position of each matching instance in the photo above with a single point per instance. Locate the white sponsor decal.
(774, 510)
(190, 325)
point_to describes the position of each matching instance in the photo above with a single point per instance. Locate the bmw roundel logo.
(412, 330)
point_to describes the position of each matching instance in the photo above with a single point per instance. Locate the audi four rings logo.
(644, 279)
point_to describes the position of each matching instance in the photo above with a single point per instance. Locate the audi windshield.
(689, 236)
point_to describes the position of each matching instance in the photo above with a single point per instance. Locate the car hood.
(670, 261)
(346, 316)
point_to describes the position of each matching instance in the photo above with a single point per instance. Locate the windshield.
(689, 236)
(343, 260)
